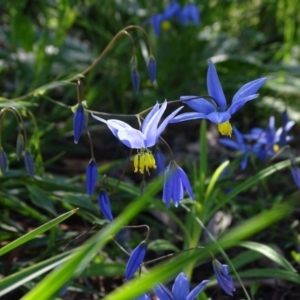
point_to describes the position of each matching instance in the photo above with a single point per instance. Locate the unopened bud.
(135, 79)
(78, 122)
(3, 161)
(91, 176)
(152, 69)
(29, 164)
(104, 205)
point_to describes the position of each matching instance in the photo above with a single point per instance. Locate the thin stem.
(140, 226)
(169, 148)
(91, 142)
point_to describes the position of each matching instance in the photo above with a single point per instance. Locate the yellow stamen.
(144, 160)
(165, 25)
(276, 148)
(225, 128)
(136, 163)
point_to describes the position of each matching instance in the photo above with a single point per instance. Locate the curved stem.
(89, 68)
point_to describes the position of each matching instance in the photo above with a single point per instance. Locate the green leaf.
(162, 245)
(271, 273)
(17, 279)
(214, 179)
(32, 234)
(39, 199)
(270, 253)
(84, 254)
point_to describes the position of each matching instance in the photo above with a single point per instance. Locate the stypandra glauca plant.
(189, 196)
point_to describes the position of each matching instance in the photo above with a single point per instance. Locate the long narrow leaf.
(32, 234)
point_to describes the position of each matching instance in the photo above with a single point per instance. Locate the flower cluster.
(263, 143)
(173, 11)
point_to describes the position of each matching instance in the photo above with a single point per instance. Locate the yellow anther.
(225, 128)
(276, 148)
(136, 163)
(144, 160)
(142, 163)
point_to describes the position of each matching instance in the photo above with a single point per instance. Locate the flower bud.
(104, 205)
(152, 69)
(78, 122)
(91, 176)
(20, 146)
(29, 164)
(3, 161)
(160, 162)
(135, 260)
(135, 79)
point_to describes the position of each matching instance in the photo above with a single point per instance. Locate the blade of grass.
(32, 234)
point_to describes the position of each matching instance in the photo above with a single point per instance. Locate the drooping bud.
(20, 146)
(91, 176)
(104, 205)
(135, 260)
(160, 162)
(152, 69)
(3, 161)
(78, 122)
(29, 164)
(135, 79)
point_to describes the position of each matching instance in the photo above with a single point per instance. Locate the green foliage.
(45, 47)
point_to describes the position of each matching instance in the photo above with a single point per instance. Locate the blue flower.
(176, 182)
(91, 176)
(240, 145)
(141, 139)
(78, 122)
(104, 205)
(143, 297)
(174, 11)
(180, 290)
(268, 141)
(190, 13)
(217, 112)
(224, 280)
(135, 260)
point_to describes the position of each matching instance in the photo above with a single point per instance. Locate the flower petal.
(135, 260)
(199, 104)
(248, 89)
(168, 186)
(150, 130)
(116, 125)
(162, 292)
(149, 116)
(104, 205)
(132, 138)
(186, 183)
(239, 137)
(181, 287)
(234, 107)
(188, 116)
(219, 117)
(197, 290)
(164, 124)
(223, 278)
(214, 87)
(229, 143)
